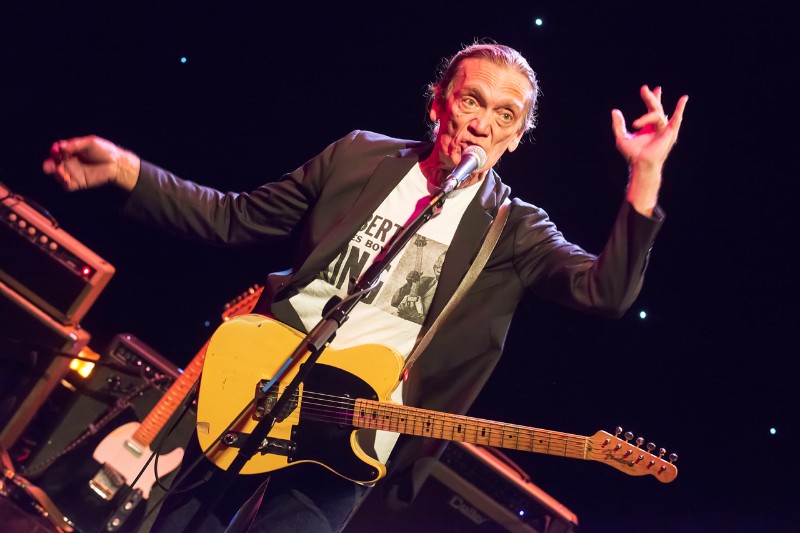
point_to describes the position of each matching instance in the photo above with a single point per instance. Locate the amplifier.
(30, 367)
(45, 264)
(470, 489)
(80, 402)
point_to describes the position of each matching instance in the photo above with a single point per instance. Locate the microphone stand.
(314, 343)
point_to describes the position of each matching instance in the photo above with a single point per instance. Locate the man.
(345, 204)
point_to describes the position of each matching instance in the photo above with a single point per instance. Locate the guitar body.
(251, 348)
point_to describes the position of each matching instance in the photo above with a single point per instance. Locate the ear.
(435, 108)
(515, 141)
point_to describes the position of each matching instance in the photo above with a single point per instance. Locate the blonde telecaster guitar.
(348, 390)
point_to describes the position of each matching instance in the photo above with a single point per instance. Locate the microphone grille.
(478, 152)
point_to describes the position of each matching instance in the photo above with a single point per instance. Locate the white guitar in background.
(126, 450)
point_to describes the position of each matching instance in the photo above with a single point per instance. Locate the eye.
(506, 117)
(470, 102)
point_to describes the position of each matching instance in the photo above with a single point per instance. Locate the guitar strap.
(492, 236)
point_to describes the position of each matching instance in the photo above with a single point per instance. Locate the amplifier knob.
(31, 231)
(53, 246)
(22, 224)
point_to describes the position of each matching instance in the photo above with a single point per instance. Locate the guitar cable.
(120, 405)
(185, 472)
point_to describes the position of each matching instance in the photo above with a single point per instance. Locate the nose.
(479, 125)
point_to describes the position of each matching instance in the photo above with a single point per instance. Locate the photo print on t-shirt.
(409, 290)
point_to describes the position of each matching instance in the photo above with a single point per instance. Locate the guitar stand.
(314, 343)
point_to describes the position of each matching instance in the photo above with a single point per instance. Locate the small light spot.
(642, 314)
(522, 513)
(207, 323)
(538, 22)
(183, 59)
(773, 431)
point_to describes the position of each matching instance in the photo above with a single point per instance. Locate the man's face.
(485, 107)
(437, 266)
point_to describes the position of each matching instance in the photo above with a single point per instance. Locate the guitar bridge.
(106, 483)
(269, 445)
(265, 402)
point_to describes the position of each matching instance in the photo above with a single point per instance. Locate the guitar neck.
(169, 403)
(370, 414)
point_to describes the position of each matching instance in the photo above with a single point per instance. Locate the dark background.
(706, 374)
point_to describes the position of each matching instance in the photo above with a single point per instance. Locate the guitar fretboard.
(414, 421)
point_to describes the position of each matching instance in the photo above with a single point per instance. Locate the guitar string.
(330, 401)
(574, 446)
(335, 409)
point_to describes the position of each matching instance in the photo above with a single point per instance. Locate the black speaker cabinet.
(470, 489)
(84, 414)
(34, 352)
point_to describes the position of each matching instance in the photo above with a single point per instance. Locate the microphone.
(472, 159)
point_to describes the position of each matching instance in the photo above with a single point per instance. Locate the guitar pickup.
(265, 402)
(269, 445)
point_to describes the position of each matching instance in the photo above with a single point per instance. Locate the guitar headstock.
(631, 457)
(243, 303)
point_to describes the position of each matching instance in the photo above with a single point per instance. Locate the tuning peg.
(673, 457)
(628, 435)
(661, 452)
(617, 431)
(650, 447)
(639, 442)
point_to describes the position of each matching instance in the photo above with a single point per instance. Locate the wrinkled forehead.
(480, 74)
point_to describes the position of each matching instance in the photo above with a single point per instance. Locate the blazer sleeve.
(196, 212)
(606, 284)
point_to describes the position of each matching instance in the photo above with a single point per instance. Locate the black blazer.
(323, 203)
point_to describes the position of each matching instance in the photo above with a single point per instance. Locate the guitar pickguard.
(325, 442)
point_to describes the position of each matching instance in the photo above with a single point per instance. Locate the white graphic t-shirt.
(391, 314)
